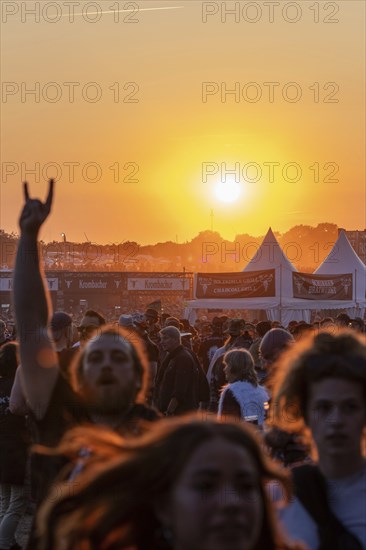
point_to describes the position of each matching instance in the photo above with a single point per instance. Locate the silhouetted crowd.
(147, 433)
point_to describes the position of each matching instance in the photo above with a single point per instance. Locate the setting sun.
(228, 191)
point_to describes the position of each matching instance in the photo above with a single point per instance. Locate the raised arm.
(32, 307)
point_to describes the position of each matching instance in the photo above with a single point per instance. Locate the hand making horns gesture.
(35, 212)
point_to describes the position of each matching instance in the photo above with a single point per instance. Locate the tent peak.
(270, 236)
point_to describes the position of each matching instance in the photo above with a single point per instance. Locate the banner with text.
(6, 284)
(157, 284)
(253, 284)
(92, 282)
(322, 287)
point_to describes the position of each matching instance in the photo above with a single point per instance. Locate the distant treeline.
(304, 245)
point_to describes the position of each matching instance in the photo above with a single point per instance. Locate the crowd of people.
(147, 433)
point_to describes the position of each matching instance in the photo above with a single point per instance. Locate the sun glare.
(227, 191)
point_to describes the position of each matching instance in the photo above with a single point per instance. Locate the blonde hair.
(241, 365)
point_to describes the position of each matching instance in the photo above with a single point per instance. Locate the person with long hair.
(107, 381)
(187, 484)
(242, 397)
(215, 373)
(320, 386)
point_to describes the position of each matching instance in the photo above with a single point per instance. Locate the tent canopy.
(343, 259)
(271, 256)
(268, 256)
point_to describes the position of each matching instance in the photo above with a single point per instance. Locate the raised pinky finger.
(49, 198)
(26, 192)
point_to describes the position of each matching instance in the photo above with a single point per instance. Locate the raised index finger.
(26, 192)
(49, 198)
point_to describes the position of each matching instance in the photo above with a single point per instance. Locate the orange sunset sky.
(171, 134)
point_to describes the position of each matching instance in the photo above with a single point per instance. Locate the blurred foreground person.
(13, 453)
(187, 484)
(322, 385)
(4, 335)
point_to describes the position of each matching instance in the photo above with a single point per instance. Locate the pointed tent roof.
(269, 255)
(343, 259)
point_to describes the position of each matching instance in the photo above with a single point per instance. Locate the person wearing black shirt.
(108, 376)
(211, 344)
(177, 382)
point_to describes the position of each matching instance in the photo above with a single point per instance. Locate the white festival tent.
(343, 259)
(282, 306)
(271, 256)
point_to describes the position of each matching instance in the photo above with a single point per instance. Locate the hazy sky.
(132, 113)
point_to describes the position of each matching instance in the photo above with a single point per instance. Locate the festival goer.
(342, 320)
(62, 334)
(89, 325)
(287, 447)
(186, 337)
(13, 453)
(261, 329)
(172, 322)
(177, 381)
(215, 373)
(273, 343)
(153, 328)
(358, 325)
(321, 384)
(187, 484)
(108, 377)
(135, 324)
(164, 317)
(242, 397)
(301, 330)
(211, 343)
(327, 323)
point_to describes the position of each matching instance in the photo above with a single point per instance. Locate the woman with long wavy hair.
(187, 484)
